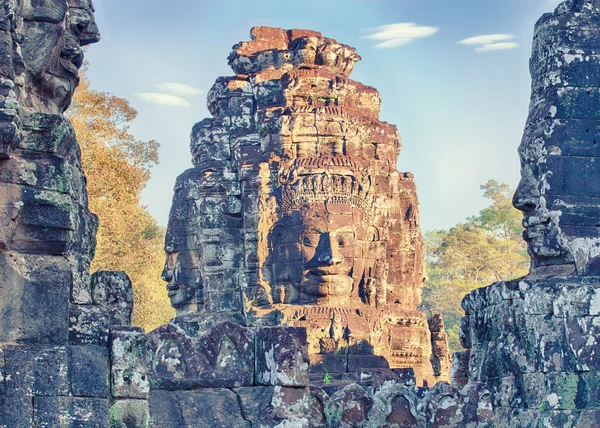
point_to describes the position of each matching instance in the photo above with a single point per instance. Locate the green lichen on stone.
(567, 390)
(59, 200)
(115, 415)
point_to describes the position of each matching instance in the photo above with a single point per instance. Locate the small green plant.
(326, 378)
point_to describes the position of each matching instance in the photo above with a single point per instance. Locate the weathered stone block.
(114, 292)
(81, 286)
(35, 298)
(575, 300)
(395, 405)
(130, 413)
(165, 410)
(51, 133)
(347, 407)
(356, 362)
(268, 406)
(459, 372)
(37, 370)
(581, 343)
(211, 408)
(89, 325)
(89, 371)
(2, 372)
(317, 401)
(71, 412)
(129, 363)
(186, 357)
(16, 408)
(320, 363)
(281, 356)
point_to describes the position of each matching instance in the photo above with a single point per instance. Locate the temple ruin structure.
(294, 256)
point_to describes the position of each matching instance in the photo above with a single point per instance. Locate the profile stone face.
(559, 192)
(52, 50)
(295, 214)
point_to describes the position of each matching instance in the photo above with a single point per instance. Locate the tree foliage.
(117, 167)
(486, 248)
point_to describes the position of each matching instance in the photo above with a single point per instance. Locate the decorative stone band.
(407, 320)
(408, 352)
(335, 189)
(325, 161)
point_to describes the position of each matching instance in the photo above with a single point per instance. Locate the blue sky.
(460, 107)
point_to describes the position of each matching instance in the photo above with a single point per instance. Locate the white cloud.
(399, 34)
(497, 47)
(163, 99)
(177, 89)
(487, 39)
(491, 42)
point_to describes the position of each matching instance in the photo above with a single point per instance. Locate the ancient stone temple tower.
(295, 213)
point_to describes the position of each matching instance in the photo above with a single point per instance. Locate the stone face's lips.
(172, 289)
(72, 61)
(328, 271)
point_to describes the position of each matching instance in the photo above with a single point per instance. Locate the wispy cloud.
(497, 47)
(491, 42)
(163, 99)
(177, 89)
(171, 94)
(399, 34)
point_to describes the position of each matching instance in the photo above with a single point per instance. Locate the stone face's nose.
(327, 253)
(527, 195)
(91, 34)
(82, 22)
(168, 272)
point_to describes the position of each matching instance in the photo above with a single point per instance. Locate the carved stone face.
(314, 251)
(181, 294)
(178, 272)
(54, 31)
(327, 256)
(541, 224)
(557, 194)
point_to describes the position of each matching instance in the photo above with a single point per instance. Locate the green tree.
(117, 167)
(486, 248)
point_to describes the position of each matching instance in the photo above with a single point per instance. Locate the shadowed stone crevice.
(243, 413)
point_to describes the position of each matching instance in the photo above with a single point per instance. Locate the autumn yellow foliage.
(117, 167)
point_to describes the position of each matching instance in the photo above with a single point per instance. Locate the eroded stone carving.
(44, 219)
(55, 322)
